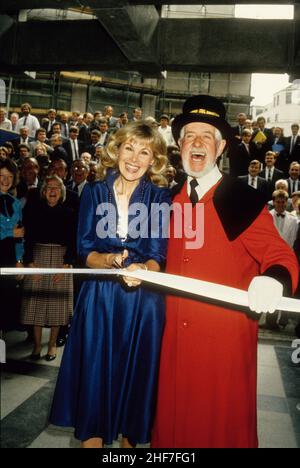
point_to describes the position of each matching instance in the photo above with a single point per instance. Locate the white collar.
(206, 182)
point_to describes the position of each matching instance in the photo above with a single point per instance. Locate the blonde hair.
(137, 131)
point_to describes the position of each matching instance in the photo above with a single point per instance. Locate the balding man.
(293, 180)
(238, 130)
(59, 151)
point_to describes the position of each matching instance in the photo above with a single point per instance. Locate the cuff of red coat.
(281, 274)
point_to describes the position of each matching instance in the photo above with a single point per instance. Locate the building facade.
(283, 111)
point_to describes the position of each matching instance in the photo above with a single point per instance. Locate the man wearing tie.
(64, 124)
(293, 144)
(238, 130)
(253, 179)
(47, 125)
(270, 173)
(28, 120)
(293, 180)
(80, 172)
(208, 368)
(73, 146)
(241, 157)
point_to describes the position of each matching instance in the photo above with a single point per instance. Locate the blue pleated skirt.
(108, 377)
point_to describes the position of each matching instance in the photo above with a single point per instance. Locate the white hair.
(281, 182)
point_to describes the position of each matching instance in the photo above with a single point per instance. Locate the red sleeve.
(265, 245)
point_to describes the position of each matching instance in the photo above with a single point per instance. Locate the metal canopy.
(131, 35)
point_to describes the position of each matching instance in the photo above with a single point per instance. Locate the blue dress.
(108, 377)
(11, 251)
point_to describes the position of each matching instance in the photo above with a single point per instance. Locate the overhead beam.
(92, 49)
(209, 45)
(16, 5)
(230, 45)
(133, 29)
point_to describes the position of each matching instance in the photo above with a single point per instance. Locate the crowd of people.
(72, 146)
(53, 175)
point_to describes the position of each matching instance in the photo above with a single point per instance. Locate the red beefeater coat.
(208, 369)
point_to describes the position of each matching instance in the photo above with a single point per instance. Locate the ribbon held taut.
(198, 288)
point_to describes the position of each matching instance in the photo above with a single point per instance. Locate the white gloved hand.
(264, 294)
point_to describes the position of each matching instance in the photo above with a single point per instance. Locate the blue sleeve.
(19, 246)
(158, 243)
(86, 234)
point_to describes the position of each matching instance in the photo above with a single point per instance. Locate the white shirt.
(293, 143)
(6, 125)
(122, 205)
(80, 187)
(297, 185)
(167, 135)
(287, 226)
(75, 149)
(205, 183)
(267, 172)
(254, 185)
(102, 139)
(31, 122)
(247, 146)
(50, 123)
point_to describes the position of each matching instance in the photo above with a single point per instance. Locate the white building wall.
(281, 112)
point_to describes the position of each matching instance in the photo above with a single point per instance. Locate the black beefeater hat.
(203, 108)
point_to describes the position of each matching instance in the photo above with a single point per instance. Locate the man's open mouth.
(198, 155)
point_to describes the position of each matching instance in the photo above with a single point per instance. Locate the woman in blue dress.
(108, 377)
(11, 243)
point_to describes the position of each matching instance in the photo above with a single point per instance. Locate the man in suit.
(64, 125)
(104, 133)
(73, 146)
(262, 148)
(238, 130)
(95, 139)
(293, 180)
(109, 117)
(59, 151)
(123, 120)
(24, 139)
(80, 171)
(253, 179)
(270, 173)
(40, 138)
(29, 179)
(84, 130)
(293, 144)
(47, 124)
(242, 155)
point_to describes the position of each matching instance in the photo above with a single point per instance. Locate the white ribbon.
(193, 286)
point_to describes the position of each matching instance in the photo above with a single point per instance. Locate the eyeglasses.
(50, 187)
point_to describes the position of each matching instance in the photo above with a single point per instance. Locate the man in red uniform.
(208, 370)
